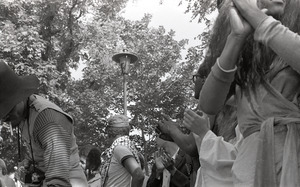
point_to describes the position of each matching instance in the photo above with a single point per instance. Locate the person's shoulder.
(121, 151)
(121, 148)
(9, 181)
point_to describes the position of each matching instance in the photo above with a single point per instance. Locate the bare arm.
(135, 171)
(186, 142)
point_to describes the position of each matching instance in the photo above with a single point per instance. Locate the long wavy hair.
(255, 59)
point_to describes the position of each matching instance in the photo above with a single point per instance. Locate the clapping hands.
(197, 123)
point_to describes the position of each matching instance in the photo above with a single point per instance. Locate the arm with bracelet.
(216, 87)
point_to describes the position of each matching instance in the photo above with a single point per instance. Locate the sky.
(168, 14)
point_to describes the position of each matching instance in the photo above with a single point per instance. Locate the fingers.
(190, 114)
(163, 127)
(187, 125)
(166, 159)
(235, 18)
(195, 122)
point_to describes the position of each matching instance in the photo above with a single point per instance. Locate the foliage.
(47, 38)
(201, 8)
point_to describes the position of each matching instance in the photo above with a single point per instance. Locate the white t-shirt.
(117, 174)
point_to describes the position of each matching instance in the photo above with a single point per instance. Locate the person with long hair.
(259, 65)
(93, 163)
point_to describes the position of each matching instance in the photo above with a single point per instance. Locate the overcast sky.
(169, 15)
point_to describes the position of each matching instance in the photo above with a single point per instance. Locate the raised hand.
(247, 4)
(166, 124)
(158, 161)
(254, 11)
(167, 161)
(239, 26)
(196, 123)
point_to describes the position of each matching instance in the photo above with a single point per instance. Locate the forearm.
(137, 178)
(217, 84)
(283, 42)
(231, 51)
(186, 142)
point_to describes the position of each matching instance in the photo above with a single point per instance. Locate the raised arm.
(186, 142)
(271, 32)
(217, 84)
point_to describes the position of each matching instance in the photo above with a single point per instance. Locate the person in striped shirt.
(45, 128)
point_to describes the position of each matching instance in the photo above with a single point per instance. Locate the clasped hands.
(197, 122)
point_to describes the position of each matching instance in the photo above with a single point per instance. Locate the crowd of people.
(244, 131)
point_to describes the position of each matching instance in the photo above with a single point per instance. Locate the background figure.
(5, 180)
(83, 153)
(172, 166)
(263, 69)
(120, 164)
(171, 131)
(93, 162)
(46, 130)
(142, 160)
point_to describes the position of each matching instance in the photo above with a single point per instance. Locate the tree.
(158, 82)
(45, 38)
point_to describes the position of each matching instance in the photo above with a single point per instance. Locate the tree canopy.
(48, 38)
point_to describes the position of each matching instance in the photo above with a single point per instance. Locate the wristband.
(224, 70)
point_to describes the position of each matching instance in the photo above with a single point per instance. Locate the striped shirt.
(53, 131)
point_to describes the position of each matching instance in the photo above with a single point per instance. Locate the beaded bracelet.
(224, 70)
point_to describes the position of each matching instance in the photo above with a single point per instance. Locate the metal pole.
(124, 59)
(125, 93)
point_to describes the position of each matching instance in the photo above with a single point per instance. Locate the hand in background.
(158, 161)
(168, 162)
(166, 124)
